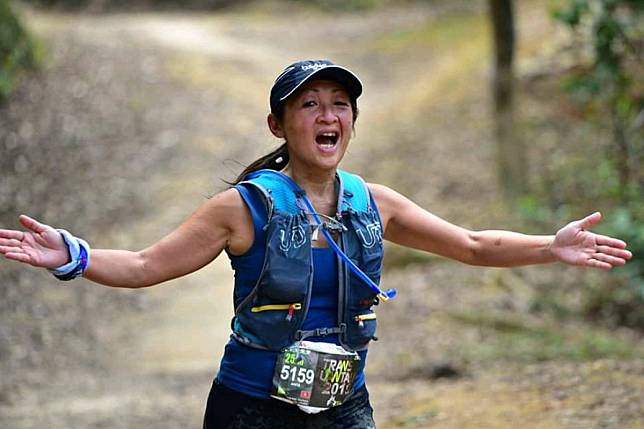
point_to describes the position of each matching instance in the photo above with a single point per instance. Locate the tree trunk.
(511, 156)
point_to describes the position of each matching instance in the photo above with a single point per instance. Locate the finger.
(10, 249)
(612, 260)
(620, 253)
(32, 224)
(20, 257)
(12, 242)
(610, 241)
(595, 263)
(10, 233)
(590, 220)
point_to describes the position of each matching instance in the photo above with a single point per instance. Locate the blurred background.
(119, 118)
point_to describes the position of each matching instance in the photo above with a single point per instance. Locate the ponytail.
(275, 160)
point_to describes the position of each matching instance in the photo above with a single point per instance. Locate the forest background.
(118, 118)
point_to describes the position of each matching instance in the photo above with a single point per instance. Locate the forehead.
(318, 86)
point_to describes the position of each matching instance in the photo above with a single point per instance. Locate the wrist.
(79, 254)
(549, 251)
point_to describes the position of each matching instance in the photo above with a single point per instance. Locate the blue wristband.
(79, 252)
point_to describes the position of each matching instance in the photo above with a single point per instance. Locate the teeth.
(327, 139)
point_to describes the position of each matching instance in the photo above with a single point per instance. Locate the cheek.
(299, 124)
(299, 132)
(347, 126)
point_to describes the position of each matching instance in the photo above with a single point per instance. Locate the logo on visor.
(314, 66)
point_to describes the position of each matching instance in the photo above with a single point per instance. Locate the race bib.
(314, 376)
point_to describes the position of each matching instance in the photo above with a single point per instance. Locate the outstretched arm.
(406, 223)
(221, 222)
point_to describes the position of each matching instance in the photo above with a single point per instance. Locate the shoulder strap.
(258, 206)
(283, 191)
(278, 188)
(356, 193)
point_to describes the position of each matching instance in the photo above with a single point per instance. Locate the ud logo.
(314, 66)
(372, 236)
(296, 238)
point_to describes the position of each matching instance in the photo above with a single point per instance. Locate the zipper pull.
(291, 311)
(359, 320)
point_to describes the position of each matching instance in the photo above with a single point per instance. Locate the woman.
(306, 246)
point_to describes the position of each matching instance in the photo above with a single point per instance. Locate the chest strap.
(320, 332)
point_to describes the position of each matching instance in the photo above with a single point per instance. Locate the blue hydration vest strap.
(382, 295)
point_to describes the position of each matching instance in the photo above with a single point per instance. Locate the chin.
(331, 162)
(324, 165)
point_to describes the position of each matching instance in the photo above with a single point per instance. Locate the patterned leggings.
(229, 409)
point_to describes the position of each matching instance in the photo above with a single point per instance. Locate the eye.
(342, 103)
(309, 103)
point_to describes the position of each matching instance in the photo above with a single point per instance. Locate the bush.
(604, 108)
(621, 301)
(607, 84)
(17, 49)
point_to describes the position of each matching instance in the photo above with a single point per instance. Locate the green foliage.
(608, 88)
(621, 301)
(17, 49)
(572, 15)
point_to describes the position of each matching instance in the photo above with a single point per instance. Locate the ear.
(275, 126)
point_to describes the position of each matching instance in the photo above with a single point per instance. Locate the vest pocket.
(360, 318)
(275, 308)
(289, 308)
(287, 267)
(270, 325)
(362, 329)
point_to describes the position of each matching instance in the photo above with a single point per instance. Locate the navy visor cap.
(300, 72)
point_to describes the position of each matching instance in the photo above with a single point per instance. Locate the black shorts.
(229, 409)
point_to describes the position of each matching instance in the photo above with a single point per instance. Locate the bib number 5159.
(297, 374)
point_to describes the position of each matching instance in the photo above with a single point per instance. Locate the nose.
(327, 114)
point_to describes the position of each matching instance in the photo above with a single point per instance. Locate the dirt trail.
(161, 375)
(214, 73)
(188, 322)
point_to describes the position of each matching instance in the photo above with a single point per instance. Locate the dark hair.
(277, 159)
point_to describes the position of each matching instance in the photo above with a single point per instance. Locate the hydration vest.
(270, 317)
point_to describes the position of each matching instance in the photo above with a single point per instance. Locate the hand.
(40, 246)
(574, 245)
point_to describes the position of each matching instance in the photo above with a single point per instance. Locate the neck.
(319, 187)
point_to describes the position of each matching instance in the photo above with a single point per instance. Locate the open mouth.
(327, 139)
